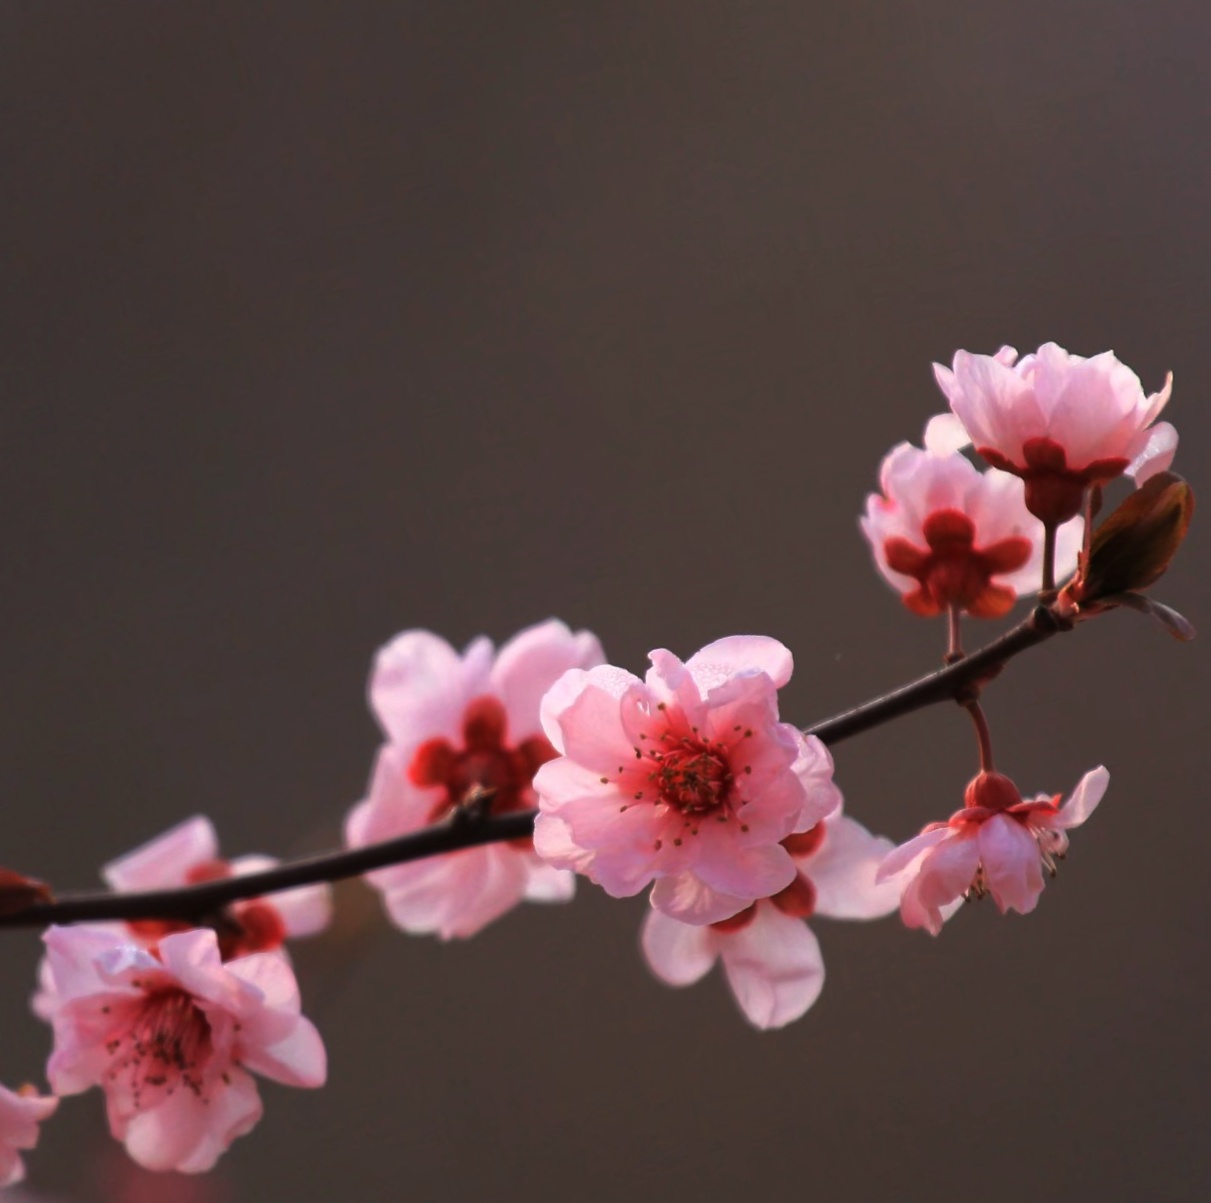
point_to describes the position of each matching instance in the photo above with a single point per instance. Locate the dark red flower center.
(486, 761)
(165, 1044)
(952, 571)
(692, 778)
(1054, 491)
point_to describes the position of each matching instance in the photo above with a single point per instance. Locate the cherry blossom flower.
(770, 957)
(189, 854)
(170, 1036)
(997, 844)
(945, 534)
(456, 724)
(1059, 421)
(21, 1111)
(686, 779)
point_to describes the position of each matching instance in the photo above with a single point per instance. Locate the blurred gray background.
(322, 321)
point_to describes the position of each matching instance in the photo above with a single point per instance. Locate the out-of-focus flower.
(1059, 421)
(944, 534)
(173, 1038)
(188, 854)
(686, 778)
(770, 957)
(21, 1111)
(457, 725)
(997, 844)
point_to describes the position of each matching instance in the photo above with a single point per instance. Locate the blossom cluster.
(685, 783)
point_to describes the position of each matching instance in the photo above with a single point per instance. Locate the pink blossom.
(945, 534)
(189, 854)
(454, 724)
(1059, 421)
(770, 957)
(686, 778)
(170, 1036)
(997, 844)
(21, 1111)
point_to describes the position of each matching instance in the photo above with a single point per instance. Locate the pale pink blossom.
(770, 957)
(188, 854)
(998, 844)
(686, 779)
(945, 534)
(1060, 421)
(21, 1111)
(173, 1036)
(455, 724)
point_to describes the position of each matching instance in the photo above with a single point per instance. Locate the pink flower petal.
(1152, 451)
(677, 953)
(1088, 793)
(419, 687)
(843, 873)
(1012, 868)
(740, 654)
(530, 663)
(945, 434)
(547, 884)
(904, 856)
(742, 872)
(166, 860)
(687, 898)
(774, 968)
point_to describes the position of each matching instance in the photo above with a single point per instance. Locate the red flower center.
(1054, 491)
(954, 572)
(485, 762)
(692, 778)
(166, 1044)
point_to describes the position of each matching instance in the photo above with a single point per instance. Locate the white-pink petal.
(843, 872)
(773, 966)
(741, 654)
(677, 953)
(1088, 793)
(530, 663)
(166, 860)
(1013, 870)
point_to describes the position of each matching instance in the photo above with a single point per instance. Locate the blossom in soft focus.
(1059, 421)
(686, 778)
(21, 1111)
(945, 534)
(188, 854)
(173, 1036)
(457, 724)
(770, 957)
(997, 844)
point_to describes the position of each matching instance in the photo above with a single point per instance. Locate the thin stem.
(954, 642)
(983, 735)
(946, 684)
(196, 903)
(1048, 590)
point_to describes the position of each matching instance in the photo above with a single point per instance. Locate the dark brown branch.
(197, 903)
(946, 684)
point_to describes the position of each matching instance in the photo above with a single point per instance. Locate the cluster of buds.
(540, 761)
